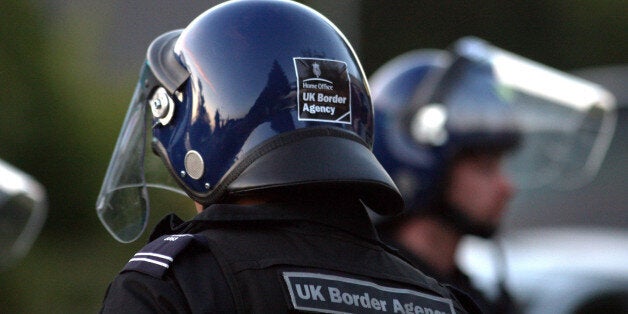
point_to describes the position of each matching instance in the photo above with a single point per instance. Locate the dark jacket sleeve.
(134, 292)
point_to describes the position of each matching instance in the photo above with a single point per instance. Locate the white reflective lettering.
(331, 99)
(365, 301)
(334, 295)
(397, 307)
(346, 298)
(316, 293)
(316, 109)
(308, 96)
(410, 308)
(382, 303)
(305, 295)
(325, 86)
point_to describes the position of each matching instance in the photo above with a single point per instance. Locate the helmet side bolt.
(162, 106)
(156, 104)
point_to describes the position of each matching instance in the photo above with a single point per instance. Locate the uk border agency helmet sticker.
(323, 90)
(335, 294)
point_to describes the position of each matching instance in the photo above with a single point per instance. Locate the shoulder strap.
(156, 257)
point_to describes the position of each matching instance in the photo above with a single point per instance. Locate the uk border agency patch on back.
(334, 294)
(323, 90)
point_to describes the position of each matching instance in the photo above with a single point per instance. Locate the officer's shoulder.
(158, 256)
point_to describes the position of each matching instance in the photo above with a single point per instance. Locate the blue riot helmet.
(252, 98)
(432, 105)
(394, 86)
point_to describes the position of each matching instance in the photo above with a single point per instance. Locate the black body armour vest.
(277, 260)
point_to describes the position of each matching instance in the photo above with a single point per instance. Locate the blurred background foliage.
(68, 69)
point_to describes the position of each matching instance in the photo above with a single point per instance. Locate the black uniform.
(503, 303)
(274, 259)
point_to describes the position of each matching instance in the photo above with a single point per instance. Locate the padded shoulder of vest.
(156, 257)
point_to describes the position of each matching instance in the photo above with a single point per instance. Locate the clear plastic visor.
(123, 202)
(566, 122)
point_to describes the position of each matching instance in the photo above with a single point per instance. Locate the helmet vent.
(194, 164)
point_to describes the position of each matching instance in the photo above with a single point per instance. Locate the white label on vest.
(335, 294)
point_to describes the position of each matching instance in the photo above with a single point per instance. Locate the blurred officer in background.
(23, 208)
(445, 123)
(261, 112)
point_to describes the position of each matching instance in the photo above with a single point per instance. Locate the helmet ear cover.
(164, 64)
(167, 75)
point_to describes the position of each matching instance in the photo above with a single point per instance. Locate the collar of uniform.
(170, 224)
(348, 217)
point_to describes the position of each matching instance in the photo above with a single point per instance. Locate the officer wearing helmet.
(450, 174)
(261, 112)
(446, 123)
